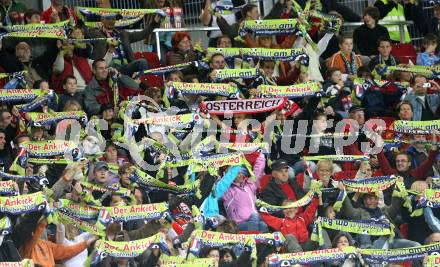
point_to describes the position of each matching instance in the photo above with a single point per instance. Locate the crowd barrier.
(192, 9)
(347, 27)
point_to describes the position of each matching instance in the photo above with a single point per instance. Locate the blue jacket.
(433, 103)
(432, 221)
(424, 59)
(209, 206)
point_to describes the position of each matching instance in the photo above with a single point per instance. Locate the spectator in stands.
(70, 93)
(424, 105)
(32, 16)
(210, 206)
(44, 252)
(217, 62)
(400, 11)
(123, 58)
(37, 68)
(225, 41)
(295, 223)
(281, 186)
(405, 111)
(404, 168)
(210, 20)
(370, 209)
(402, 76)
(249, 12)
(271, 75)
(345, 60)
(428, 57)
(433, 24)
(100, 92)
(338, 91)
(384, 58)
(239, 200)
(183, 52)
(5, 152)
(57, 12)
(366, 36)
(11, 12)
(434, 238)
(73, 60)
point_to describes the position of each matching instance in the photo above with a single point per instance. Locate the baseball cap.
(279, 164)
(355, 108)
(101, 165)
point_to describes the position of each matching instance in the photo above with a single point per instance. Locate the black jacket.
(64, 97)
(365, 38)
(273, 194)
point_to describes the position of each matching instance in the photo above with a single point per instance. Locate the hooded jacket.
(240, 199)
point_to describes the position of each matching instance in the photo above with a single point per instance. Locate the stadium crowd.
(285, 136)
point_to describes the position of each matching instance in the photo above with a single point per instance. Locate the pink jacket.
(239, 200)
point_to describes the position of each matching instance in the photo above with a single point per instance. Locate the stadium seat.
(152, 59)
(152, 80)
(403, 228)
(153, 63)
(404, 52)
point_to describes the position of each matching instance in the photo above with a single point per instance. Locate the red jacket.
(45, 16)
(106, 96)
(418, 173)
(296, 226)
(80, 63)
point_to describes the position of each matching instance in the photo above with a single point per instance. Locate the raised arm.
(420, 172)
(226, 29)
(225, 182)
(276, 11)
(137, 36)
(258, 169)
(384, 9)
(384, 164)
(206, 15)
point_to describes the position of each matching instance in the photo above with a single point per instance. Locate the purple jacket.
(239, 200)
